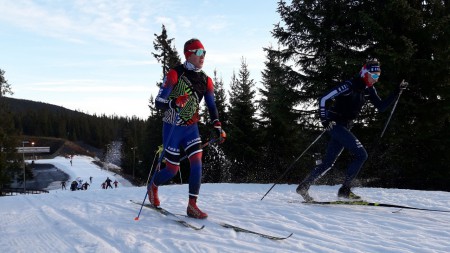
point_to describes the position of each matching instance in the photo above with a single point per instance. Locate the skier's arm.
(210, 101)
(326, 115)
(162, 101)
(381, 105)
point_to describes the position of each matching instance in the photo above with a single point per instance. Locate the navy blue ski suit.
(349, 98)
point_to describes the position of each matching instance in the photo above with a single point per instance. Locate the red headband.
(194, 45)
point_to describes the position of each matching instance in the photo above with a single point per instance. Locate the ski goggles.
(198, 52)
(374, 76)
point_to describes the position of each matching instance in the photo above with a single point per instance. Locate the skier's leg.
(350, 142)
(334, 149)
(172, 159)
(192, 146)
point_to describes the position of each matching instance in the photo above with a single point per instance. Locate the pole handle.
(392, 111)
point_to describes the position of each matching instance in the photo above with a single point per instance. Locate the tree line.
(320, 44)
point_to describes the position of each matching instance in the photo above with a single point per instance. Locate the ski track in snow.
(100, 220)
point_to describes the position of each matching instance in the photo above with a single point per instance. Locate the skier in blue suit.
(349, 98)
(183, 89)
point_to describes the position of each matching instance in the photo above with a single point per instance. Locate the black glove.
(328, 119)
(328, 125)
(220, 135)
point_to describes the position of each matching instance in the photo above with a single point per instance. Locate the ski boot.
(193, 211)
(153, 194)
(345, 192)
(303, 191)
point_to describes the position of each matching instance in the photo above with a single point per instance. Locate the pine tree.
(324, 40)
(10, 163)
(329, 40)
(166, 54)
(5, 87)
(216, 165)
(279, 123)
(414, 44)
(242, 139)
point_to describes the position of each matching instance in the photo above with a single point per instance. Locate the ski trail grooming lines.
(365, 203)
(170, 215)
(245, 230)
(175, 217)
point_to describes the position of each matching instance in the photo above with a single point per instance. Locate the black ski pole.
(161, 156)
(206, 144)
(292, 164)
(392, 112)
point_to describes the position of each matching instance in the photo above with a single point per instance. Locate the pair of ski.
(365, 203)
(176, 218)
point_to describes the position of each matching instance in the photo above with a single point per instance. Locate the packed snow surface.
(103, 220)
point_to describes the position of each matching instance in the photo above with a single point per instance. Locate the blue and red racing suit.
(180, 129)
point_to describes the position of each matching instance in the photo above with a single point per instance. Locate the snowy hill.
(83, 167)
(99, 220)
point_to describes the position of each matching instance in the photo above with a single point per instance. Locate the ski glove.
(403, 85)
(328, 125)
(180, 101)
(328, 116)
(220, 135)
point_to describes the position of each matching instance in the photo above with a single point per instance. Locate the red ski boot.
(193, 211)
(153, 195)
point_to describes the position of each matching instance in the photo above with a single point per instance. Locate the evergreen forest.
(268, 125)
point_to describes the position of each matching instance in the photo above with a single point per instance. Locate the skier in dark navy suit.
(349, 98)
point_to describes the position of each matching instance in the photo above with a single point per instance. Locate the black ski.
(244, 230)
(172, 216)
(365, 203)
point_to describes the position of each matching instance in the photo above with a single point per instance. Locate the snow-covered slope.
(99, 220)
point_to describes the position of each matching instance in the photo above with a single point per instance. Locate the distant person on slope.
(180, 95)
(73, 185)
(108, 183)
(349, 98)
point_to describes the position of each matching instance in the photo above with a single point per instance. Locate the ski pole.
(292, 164)
(203, 146)
(148, 178)
(160, 149)
(159, 161)
(392, 112)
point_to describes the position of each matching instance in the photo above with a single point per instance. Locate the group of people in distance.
(76, 185)
(79, 185)
(186, 85)
(107, 183)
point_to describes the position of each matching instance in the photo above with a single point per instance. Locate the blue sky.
(95, 55)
